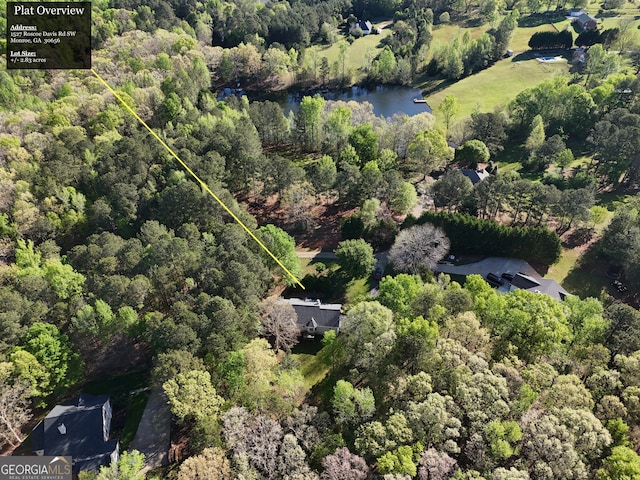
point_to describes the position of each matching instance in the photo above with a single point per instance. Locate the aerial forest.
(113, 259)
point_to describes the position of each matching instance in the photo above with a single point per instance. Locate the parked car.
(508, 276)
(492, 277)
(377, 275)
(618, 285)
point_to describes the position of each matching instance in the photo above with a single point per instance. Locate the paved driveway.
(382, 259)
(497, 265)
(153, 435)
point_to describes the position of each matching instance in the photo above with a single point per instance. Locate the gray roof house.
(539, 285)
(475, 175)
(79, 428)
(575, 12)
(315, 317)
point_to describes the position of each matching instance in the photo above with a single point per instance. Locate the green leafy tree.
(451, 190)
(428, 151)
(536, 136)
(62, 278)
(336, 129)
(385, 65)
(472, 152)
(308, 120)
(400, 461)
(365, 142)
(623, 334)
(502, 435)
(283, 247)
(352, 406)
(31, 372)
(490, 129)
(191, 395)
(403, 199)
(399, 293)
(355, 258)
(128, 467)
(368, 333)
(623, 463)
(599, 65)
(449, 108)
(52, 349)
(532, 324)
(323, 174)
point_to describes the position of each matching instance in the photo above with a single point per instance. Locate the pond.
(386, 100)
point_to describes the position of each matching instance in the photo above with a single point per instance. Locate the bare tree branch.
(278, 320)
(418, 247)
(14, 411)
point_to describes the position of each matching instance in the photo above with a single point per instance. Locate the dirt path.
(316, 254)
(153, 437)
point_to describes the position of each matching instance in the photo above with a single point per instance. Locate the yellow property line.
(201, 182)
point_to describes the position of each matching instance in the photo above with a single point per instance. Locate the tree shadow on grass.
(322, 392)
(328, 286)
(537, 19)
(587, 278)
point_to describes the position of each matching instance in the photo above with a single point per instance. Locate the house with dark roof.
(538, 285)
(365, 26)
(80, 429)
(316, 318)
(586, 22)
(475, 175)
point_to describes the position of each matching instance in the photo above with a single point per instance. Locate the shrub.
(471, 235)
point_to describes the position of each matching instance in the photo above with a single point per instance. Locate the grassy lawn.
(612, 200)
(313, 364)
(329, 285)
(358, 290)
(567, 262)
(522, 35)
(586, 278)
(613, 22)
(496, 85)
(356, 57)
(313, 368)
(135, 409)
(443, 34)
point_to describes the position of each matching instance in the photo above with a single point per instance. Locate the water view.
(386, 100)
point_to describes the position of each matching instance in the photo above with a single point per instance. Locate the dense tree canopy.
(108, 246)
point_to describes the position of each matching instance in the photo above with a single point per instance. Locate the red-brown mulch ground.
(324, 233)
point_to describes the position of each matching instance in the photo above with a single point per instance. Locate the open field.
(446, 33)
(522, 35)
(361, 52)
(496, 85)
(613, 22)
